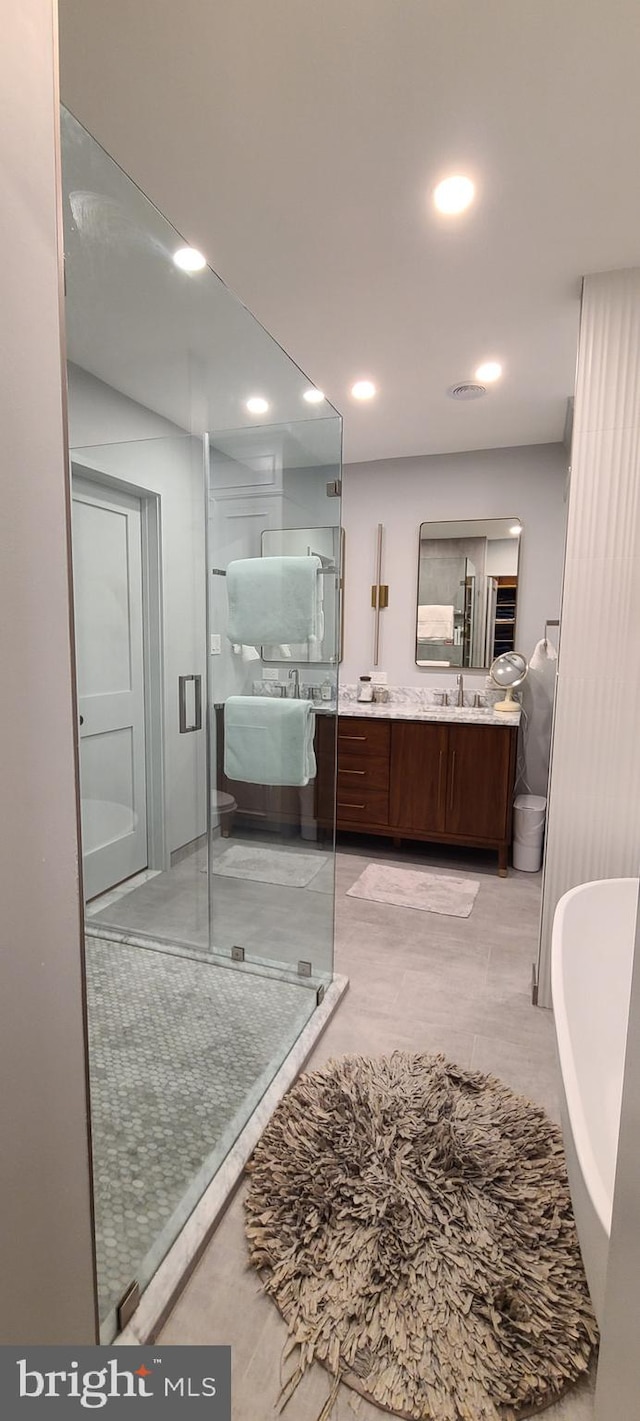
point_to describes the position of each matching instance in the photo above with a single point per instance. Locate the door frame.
(152, 653)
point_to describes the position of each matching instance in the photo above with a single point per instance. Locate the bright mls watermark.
(168, 1382)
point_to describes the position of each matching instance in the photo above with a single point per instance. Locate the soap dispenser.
(365, 689)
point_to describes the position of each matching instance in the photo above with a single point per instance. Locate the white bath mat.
(280, 866)
(411, 888)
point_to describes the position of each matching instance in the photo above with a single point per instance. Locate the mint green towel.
(268, 741)
(272, 600)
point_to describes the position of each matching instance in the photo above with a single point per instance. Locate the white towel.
(269, 741)
(272, 600)
(435, 622)
(537, 696)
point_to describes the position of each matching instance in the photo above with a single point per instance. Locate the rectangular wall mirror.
(328, 545)
(467, 592)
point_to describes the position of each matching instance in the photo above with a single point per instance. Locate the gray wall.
(46, 1265)
(528, 483)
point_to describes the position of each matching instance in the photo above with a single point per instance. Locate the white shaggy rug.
(412, 1222)
(412, 888)
(281, 866)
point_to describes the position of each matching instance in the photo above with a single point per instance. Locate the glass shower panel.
(274, 499)
(209, 927)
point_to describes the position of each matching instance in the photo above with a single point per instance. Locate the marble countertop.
(412, 703)
(465, 715)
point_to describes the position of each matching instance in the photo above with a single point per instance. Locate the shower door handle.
(185, 729)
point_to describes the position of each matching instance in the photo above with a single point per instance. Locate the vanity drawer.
(358, 736)
(356, 772)
(363, 806)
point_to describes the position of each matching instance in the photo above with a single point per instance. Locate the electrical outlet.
(270, 673)
(216, 644)
(378, 678)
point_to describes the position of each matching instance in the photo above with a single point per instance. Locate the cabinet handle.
(453, 778)
(351, 772)
(440, 768)
(353, 737)
(350, 806)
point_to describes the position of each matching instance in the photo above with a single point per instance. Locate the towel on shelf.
(248, 653)
(422, 661)
(272, 600)
(435, 622)
(269, 741)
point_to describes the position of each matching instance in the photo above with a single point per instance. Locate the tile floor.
(170, 1091)
(418, 982)
(263, 918)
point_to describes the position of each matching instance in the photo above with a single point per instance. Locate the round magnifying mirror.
(508, 672)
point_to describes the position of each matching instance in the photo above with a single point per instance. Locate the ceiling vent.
(467, 391)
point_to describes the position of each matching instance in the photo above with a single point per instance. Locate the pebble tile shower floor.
(180, 1053)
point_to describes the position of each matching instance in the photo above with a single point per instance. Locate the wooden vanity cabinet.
(418, 772)
(480, 781)
(363, 771)
(451, 783)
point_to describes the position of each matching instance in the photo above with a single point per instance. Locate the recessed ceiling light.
(189, 259)
(489, 371)
(313, 397)
(363, 390)
(515, 530)
(257, 404)
(454, 194)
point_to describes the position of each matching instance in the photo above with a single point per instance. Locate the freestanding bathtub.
(591, 962)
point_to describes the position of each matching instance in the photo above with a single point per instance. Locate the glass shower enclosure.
(207, 551)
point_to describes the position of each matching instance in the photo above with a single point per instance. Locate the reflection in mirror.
(467, 592)
(325, 544)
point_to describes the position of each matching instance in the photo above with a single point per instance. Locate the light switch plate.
(378, 678)
(216, 644)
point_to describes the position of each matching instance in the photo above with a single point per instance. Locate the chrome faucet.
(294, 675)
(460, 685)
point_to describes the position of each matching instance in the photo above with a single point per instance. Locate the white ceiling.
(297, 144)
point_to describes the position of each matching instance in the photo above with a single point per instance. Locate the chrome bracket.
(237, 954)
(304, 969)
(319, 996)
(128, 1304)
(334, 490)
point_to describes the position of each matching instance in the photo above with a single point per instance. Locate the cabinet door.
(479, 781)
(418, 776)
(325, 784)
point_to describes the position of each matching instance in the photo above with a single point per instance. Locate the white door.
(107, 564)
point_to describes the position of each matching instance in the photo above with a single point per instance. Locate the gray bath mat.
(412, 888)
(281, 866)
(412, 1222)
